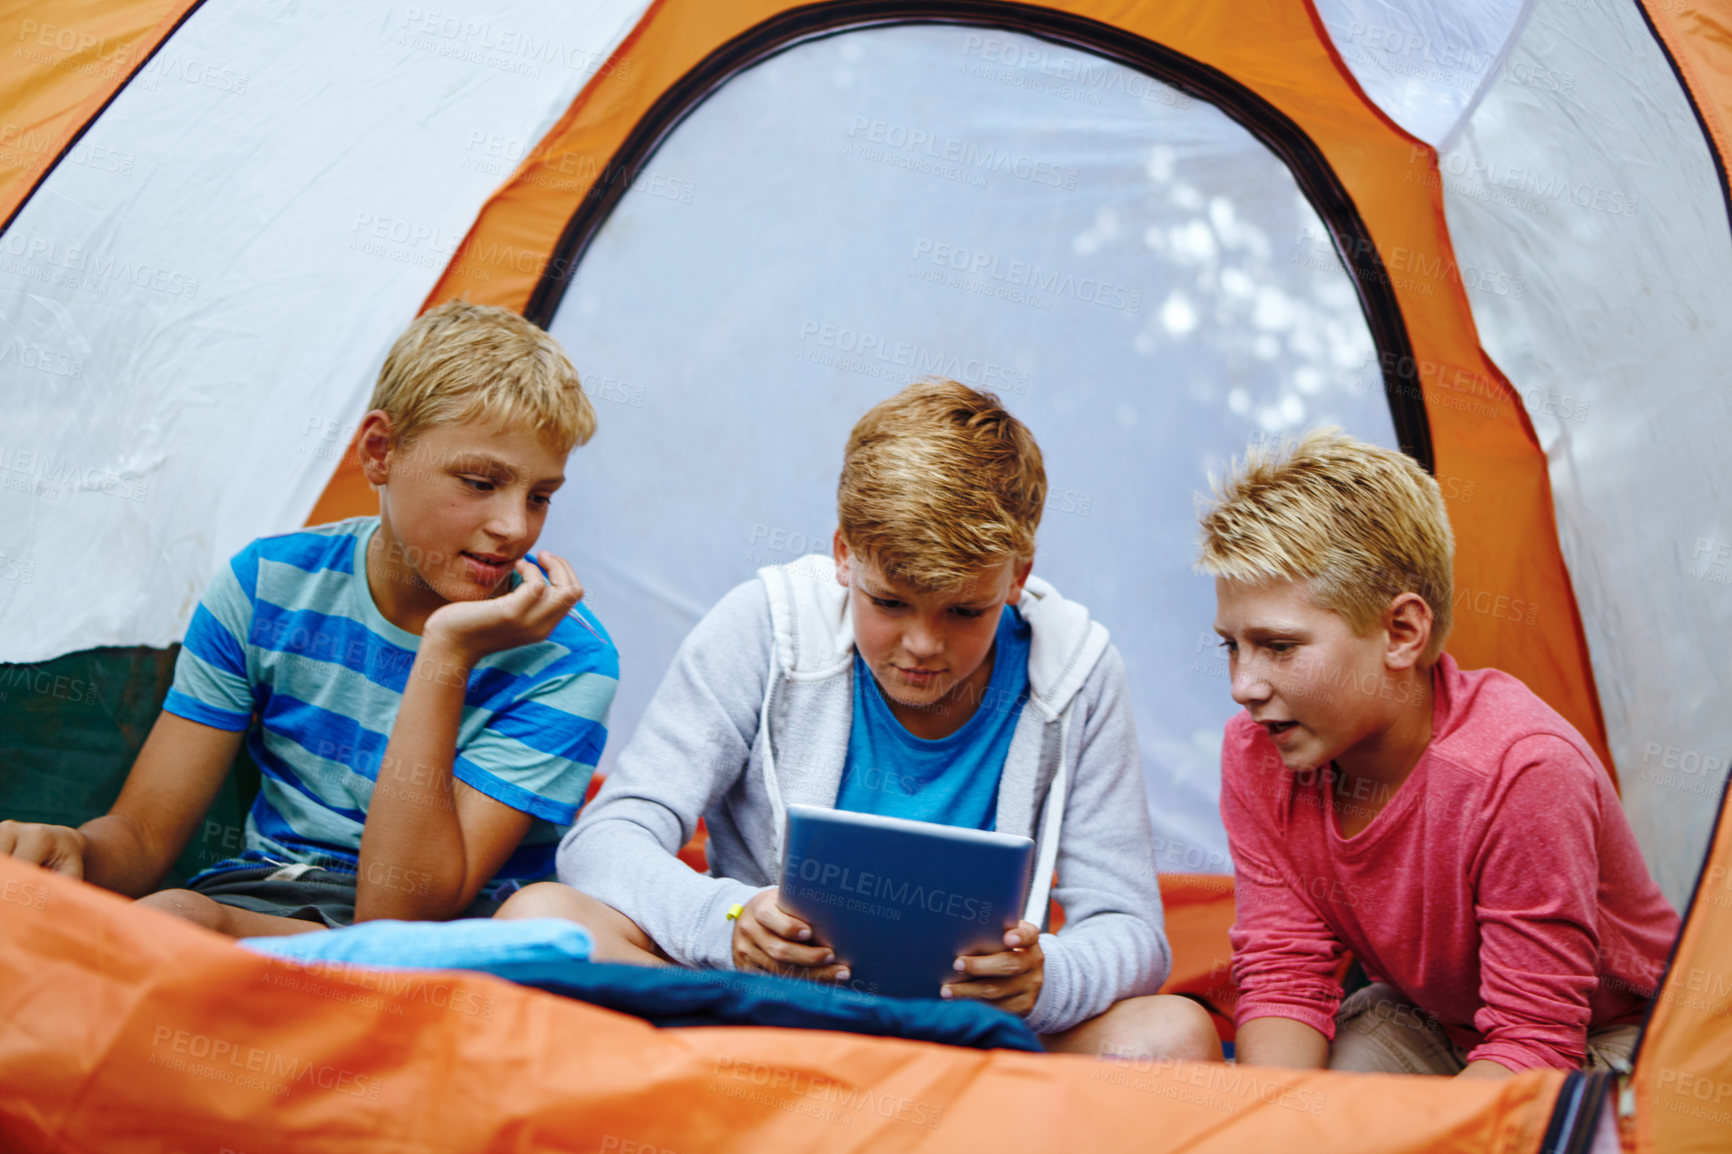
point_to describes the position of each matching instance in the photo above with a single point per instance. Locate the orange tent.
(1542, 332)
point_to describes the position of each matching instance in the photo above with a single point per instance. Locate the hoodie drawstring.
(1041, 889)
(772, 786)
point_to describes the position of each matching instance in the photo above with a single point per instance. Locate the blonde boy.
(920, 671)
(425, 731)
(1447, 827)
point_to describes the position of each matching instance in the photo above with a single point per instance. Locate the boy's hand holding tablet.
(1009, 979)
(771, 940)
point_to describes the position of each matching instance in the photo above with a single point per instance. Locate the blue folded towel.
(521, 950)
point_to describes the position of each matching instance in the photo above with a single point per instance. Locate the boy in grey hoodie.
(921, 672)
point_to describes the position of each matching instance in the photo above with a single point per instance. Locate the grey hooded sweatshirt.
(755, 714)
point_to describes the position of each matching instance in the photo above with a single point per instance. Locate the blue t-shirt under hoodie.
(953, 780)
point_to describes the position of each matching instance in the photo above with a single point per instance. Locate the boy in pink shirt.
(1447, 827)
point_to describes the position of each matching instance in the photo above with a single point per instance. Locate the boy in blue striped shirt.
(425, 700)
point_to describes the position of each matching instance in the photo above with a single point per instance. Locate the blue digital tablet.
(899, 900)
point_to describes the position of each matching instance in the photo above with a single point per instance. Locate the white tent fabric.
(1135, 275)
(285, 193)
(1428, 64)
(1602, 207)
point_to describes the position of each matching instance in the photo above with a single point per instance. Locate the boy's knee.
(1166, 1026)
(186, 905)
(1193, 1036)
(1156, 1027)
(541, 900)
(1174, 1027)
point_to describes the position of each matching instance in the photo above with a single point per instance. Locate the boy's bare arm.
(127, 850)
(430, 842)
(1275, 1041)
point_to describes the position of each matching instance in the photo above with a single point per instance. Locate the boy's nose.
(510, 522)
(921, 642)
(1248, 686)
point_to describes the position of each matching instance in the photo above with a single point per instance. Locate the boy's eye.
(960, 611)
(542, 499)
(479, 484)
(886, 602)
(1280, 648)
(1229, 646)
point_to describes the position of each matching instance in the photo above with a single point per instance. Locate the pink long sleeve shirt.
(1500, 889)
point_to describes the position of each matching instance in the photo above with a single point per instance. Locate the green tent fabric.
(70, 729)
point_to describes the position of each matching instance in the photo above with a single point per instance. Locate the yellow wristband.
(735, 911)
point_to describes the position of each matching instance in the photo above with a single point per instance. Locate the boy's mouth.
(488, 566)
(1275, 729)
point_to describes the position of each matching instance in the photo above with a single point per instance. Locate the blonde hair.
(939, 481)
(1358, 524)
(462, 361)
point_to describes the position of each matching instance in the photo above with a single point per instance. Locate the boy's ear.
(374, 442)
(839, 550)
(1019, 578)
(1407, 626)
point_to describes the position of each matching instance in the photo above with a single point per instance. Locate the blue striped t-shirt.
(288, 633)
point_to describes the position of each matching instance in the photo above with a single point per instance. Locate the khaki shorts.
(1379, 1032)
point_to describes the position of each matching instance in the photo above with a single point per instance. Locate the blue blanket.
(554, 955)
